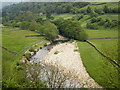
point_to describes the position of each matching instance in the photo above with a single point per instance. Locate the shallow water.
(38, 57)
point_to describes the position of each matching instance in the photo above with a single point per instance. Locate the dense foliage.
(71, 29)
(97, 22)
(37, 7)
(49, 30)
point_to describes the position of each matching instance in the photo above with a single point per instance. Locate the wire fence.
(25, 48)
(29, 46)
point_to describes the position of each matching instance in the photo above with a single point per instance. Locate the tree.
(39, 20)
(43, 76)
(89, 10)
(93, 14)
(75, 10)
(33, 26)
(24, 25)
(50, 31)
(106, 9)
(92, 26)
(72, 29)
(99, 11)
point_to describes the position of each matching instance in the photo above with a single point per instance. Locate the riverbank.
(65, 57)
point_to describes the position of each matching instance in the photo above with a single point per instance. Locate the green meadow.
(16, 40)
(109, 16)
(65, 16)
(108, 46)
(98, 67)
(13, 69)
(102, 33)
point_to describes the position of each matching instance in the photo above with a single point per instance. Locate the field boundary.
(112, 60)
(15, 53)
(104, 38)
(25, 48)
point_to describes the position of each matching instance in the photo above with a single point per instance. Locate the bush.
(77, 18)
(31, 49)
(28, 56)
(18, 63)
(71, 40)
(102, 22)
(19, 68)
(76, 50)
(92, 26)
(93, 14)
(93, 20)
(56, 52)
(45, 45)
(99, 11)
(110, 24)
(24, 25)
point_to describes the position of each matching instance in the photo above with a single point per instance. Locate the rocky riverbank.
(65, 57)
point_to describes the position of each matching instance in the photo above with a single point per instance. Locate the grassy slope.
(109, 16)
(98, 67)
(110, 5)
(87, 19)
(15, 40)
(65, 16)
(57, 16)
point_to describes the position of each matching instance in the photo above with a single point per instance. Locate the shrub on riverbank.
(56, 52)
(28, 56)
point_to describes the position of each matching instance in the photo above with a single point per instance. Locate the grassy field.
(102, 33)
(98, 67)
(109, 16)
(16, 40)
(65, 16)
(13, 69)
(108, 46)
(57, 16)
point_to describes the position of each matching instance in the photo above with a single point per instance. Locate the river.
(62, 70)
